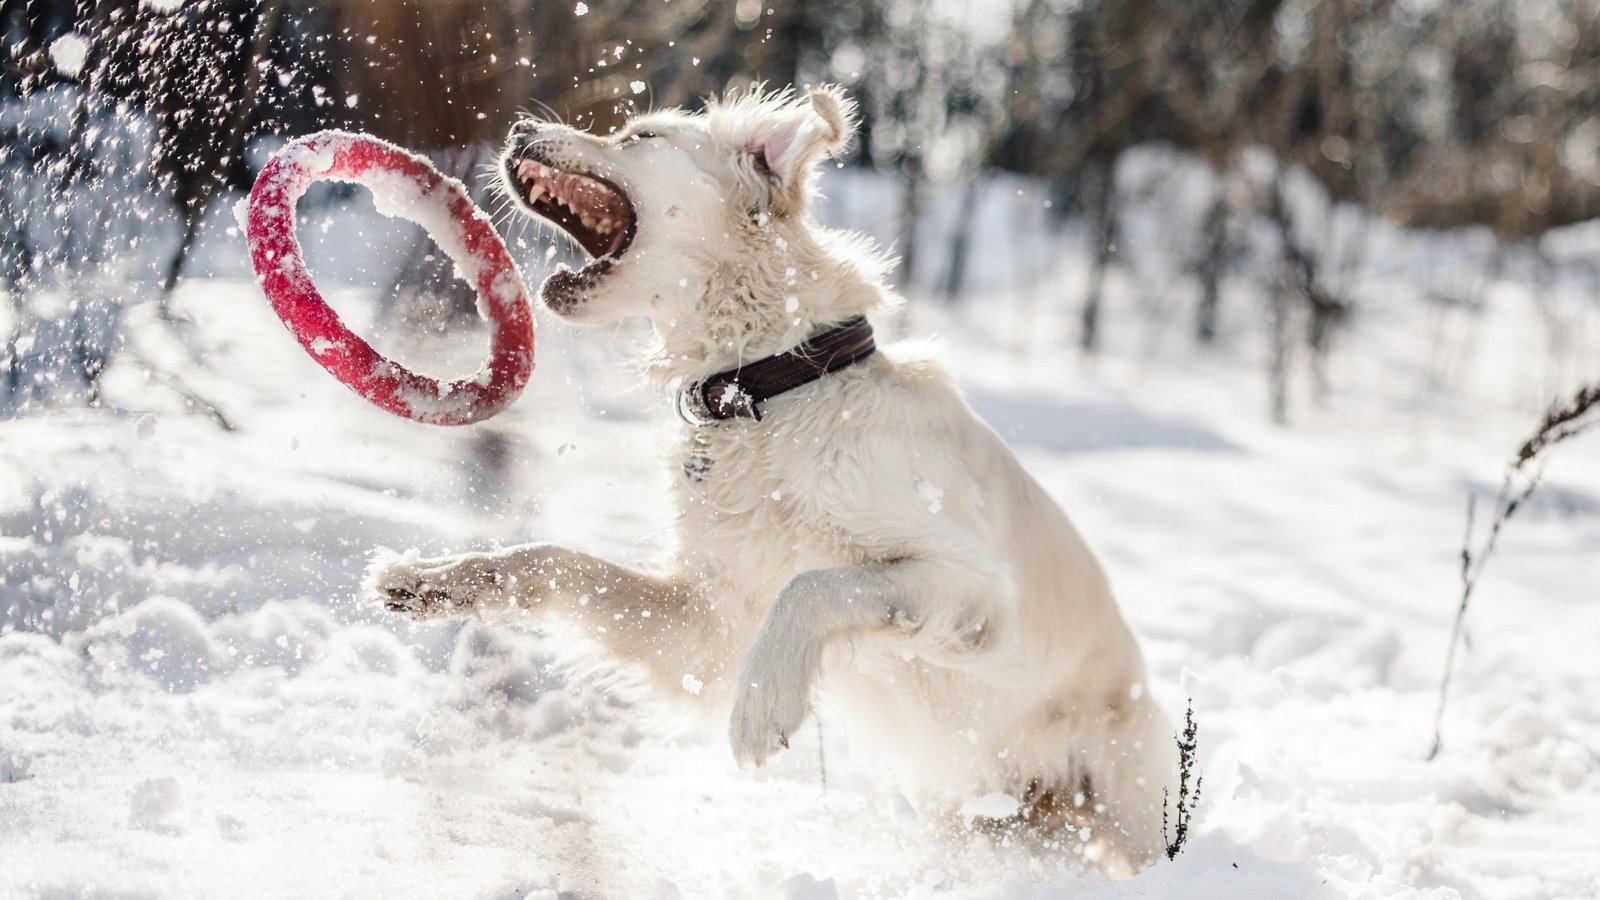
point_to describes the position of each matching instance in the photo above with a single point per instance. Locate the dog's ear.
(786, 145)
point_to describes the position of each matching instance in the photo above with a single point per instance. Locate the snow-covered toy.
(409, 187)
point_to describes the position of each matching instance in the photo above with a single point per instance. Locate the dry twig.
(1188, 765)
(1562, 422)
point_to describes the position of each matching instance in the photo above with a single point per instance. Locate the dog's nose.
(524, 133)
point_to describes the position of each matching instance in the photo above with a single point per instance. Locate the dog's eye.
(642, 136)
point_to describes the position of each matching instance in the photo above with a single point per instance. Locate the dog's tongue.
(591, 198)
(583, 194)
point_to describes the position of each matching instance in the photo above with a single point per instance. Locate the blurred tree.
(1438, 115)
(74, 183)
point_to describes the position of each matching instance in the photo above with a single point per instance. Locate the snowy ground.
(194, 706)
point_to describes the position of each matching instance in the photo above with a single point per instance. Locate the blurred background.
(1233, 173)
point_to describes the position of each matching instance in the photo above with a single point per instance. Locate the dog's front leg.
(947, 610)
(652, 619)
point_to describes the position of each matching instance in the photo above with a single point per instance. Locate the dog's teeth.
(535, 192)
(607, 226)
(588, 221)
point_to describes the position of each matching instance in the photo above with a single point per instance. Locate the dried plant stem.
(1471, 567)
(1188, 765)
(1562, 422)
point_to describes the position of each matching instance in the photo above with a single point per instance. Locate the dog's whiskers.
(545, 112)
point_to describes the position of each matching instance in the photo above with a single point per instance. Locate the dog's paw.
(773, 699)
(423, 589)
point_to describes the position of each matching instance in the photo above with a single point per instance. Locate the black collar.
(735, 393)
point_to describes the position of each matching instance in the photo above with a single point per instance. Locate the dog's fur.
(870, 538)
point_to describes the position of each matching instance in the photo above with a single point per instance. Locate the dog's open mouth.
(593, 212)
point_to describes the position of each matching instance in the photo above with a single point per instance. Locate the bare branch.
(1562, 422)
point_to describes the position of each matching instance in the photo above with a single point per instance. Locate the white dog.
(863, 535)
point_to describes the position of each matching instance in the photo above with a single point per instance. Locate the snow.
(68, 53)
(994, 806)
(195, 705)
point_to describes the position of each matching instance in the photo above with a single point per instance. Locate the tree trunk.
(1278, 362)
(213, 169)
(911, 202)
(1211, 264)
(1105, 238)
(955, 273)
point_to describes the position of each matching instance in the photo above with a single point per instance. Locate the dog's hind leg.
(655, 620)
(945, 608)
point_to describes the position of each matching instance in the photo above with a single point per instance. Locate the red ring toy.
(409, 187)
